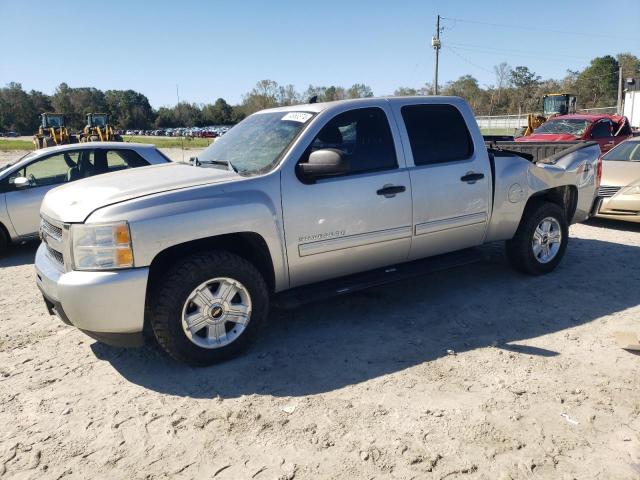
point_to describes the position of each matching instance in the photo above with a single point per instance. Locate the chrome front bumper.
(102, 303)
(618, 208)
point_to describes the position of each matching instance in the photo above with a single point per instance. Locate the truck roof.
(592, 117)
(321, 106)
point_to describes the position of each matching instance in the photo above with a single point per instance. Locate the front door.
(602, 132)
(23, 204)
(451, 179)
(353, 222)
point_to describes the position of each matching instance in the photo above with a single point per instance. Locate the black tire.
(4, 240)
(47, 142)
(169, 295)
(37, 142)
(520, 250)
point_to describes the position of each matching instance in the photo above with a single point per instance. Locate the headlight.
(101, 246)
(634, 190)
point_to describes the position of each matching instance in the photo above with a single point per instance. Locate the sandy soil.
(474, 373)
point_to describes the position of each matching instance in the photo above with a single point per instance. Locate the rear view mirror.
(327, 162)
(21, 182)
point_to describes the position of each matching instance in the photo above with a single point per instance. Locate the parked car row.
(9, 134)
(204, 132)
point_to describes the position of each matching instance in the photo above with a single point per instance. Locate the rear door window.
(121, 159)
(437, 134)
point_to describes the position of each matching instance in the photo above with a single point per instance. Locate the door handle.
(390, 190)
(472, 177)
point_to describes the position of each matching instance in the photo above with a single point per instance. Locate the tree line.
(515, 90)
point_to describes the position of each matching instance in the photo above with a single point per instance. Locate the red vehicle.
(607, 130)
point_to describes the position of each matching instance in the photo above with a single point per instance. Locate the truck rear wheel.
(541, 239)
(208, 307)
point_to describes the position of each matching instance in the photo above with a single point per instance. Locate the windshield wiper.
(226, 163)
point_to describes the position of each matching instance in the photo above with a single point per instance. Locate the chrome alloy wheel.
(547, 239)
(216, 312)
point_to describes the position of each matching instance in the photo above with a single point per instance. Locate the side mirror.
(327, 162)
(21, 182)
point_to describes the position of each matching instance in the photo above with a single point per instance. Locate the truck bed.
(544, 152)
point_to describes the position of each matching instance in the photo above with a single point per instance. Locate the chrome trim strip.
(448, 223)
(351, 241)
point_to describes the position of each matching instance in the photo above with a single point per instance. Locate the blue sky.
(222, 48)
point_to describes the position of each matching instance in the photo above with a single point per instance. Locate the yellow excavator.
(52, 131)
(98, 129)
(553, 104)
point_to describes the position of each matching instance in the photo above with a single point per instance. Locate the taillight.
(598, 173)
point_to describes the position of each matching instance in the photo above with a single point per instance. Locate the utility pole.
(435, 43)
(620, 91)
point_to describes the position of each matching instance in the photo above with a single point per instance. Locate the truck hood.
(75, 201)
(548, 137)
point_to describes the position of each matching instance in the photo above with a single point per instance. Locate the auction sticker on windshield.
(297, 116)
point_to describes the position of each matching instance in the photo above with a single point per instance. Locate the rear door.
(450, 178)
(346, 224)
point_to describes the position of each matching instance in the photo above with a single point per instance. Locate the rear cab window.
(437, 134)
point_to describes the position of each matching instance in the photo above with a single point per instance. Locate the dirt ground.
(473, 373)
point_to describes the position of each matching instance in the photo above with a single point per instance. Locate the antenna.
(181, 136)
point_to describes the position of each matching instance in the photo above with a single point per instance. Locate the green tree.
(597, 85)
(17, 111)
(129, 109)
(630, 65)
(220, 113)
(359, 90)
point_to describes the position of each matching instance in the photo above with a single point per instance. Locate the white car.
(24, 183)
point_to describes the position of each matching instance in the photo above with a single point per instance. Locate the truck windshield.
(571, 126)
(256, 144)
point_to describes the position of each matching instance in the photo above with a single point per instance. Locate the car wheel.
(208, 307)
(4, 240)
(541, 239)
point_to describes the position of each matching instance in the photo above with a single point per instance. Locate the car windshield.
(256, 144)
(571, 126)
(24, 157)
(625, 152)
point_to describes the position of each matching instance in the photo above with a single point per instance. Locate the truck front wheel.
(541, 239)
(208, 307)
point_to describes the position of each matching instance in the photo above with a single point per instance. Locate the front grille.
(55, 255)
(608, 191)
(51, 229)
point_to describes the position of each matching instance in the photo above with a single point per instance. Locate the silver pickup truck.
(294, 204)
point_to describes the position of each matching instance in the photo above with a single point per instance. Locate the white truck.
(296, 204)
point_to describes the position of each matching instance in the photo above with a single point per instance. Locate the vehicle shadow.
(326, 346)
(18, 255)
(613, 224)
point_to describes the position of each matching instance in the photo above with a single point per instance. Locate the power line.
(536, 29)
(467, 46)
(452, 50)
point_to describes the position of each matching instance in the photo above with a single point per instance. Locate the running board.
(352, 283)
